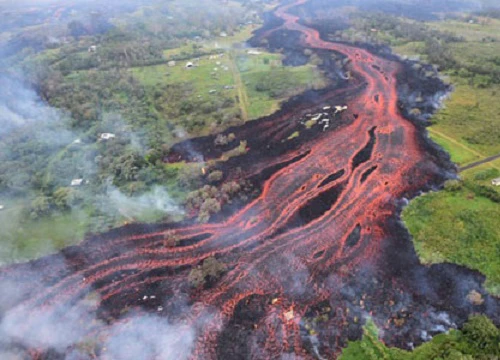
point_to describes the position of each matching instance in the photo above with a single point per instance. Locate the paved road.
(480, 162)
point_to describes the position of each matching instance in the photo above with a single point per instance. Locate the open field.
(460, 153)
(471, 32)
(238, 75)
(24, 240)
(458, 227)
(471, 117)
(461, 225)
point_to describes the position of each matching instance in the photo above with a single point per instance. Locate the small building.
(92, 49)
(2, 207)
(495, 182)
(189, 65)
(171, 63)
(76, 182)
(107, 136)
(253, 52)
(223, 34)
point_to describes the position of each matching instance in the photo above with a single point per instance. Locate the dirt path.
(455, 142)
(242, 91)
(484, 159)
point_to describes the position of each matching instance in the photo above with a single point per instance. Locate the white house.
(2, 207)
(107, 136)
(495, 182)
(253, 52)
(189, 65)
(76, 182)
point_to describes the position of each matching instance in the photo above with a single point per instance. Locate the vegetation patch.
(479, 339)
(458, 225)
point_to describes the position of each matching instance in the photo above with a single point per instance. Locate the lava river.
(321, 240)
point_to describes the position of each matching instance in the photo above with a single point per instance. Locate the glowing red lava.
(319, 218)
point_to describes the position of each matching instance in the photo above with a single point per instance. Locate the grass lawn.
(298, 78)
(460, 226)
(460, 153)
(250, 68)
(457, 227)
(471, 117)
(20, 241)
(414, 48)
(471, 32)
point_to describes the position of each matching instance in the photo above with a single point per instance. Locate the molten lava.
(320, 241)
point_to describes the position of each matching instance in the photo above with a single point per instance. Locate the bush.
(487, 174)
(211, 270)
(482, 335)
(453, 185)
(215, 176)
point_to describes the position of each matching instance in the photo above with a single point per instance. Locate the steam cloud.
(139, 336)
(157, 199)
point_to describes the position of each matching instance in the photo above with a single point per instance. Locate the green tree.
(40, 207)
(482, 335)
(65, 197)
(215, 176)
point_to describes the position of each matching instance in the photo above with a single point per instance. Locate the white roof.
(76, 182)
(107, 136)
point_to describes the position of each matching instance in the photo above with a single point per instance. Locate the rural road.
(480, 162)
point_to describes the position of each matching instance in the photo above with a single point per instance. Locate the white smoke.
(158, 199)
(149, 337)
(66, 328)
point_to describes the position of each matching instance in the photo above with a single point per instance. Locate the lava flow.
(307, 260)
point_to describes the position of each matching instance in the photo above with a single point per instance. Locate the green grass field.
(461, 226)
(205, 76)
(471, 32)
(211, 75)
(20, 241)
(471, 117)
(464, 344)
(460, 153)
(458, 227)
